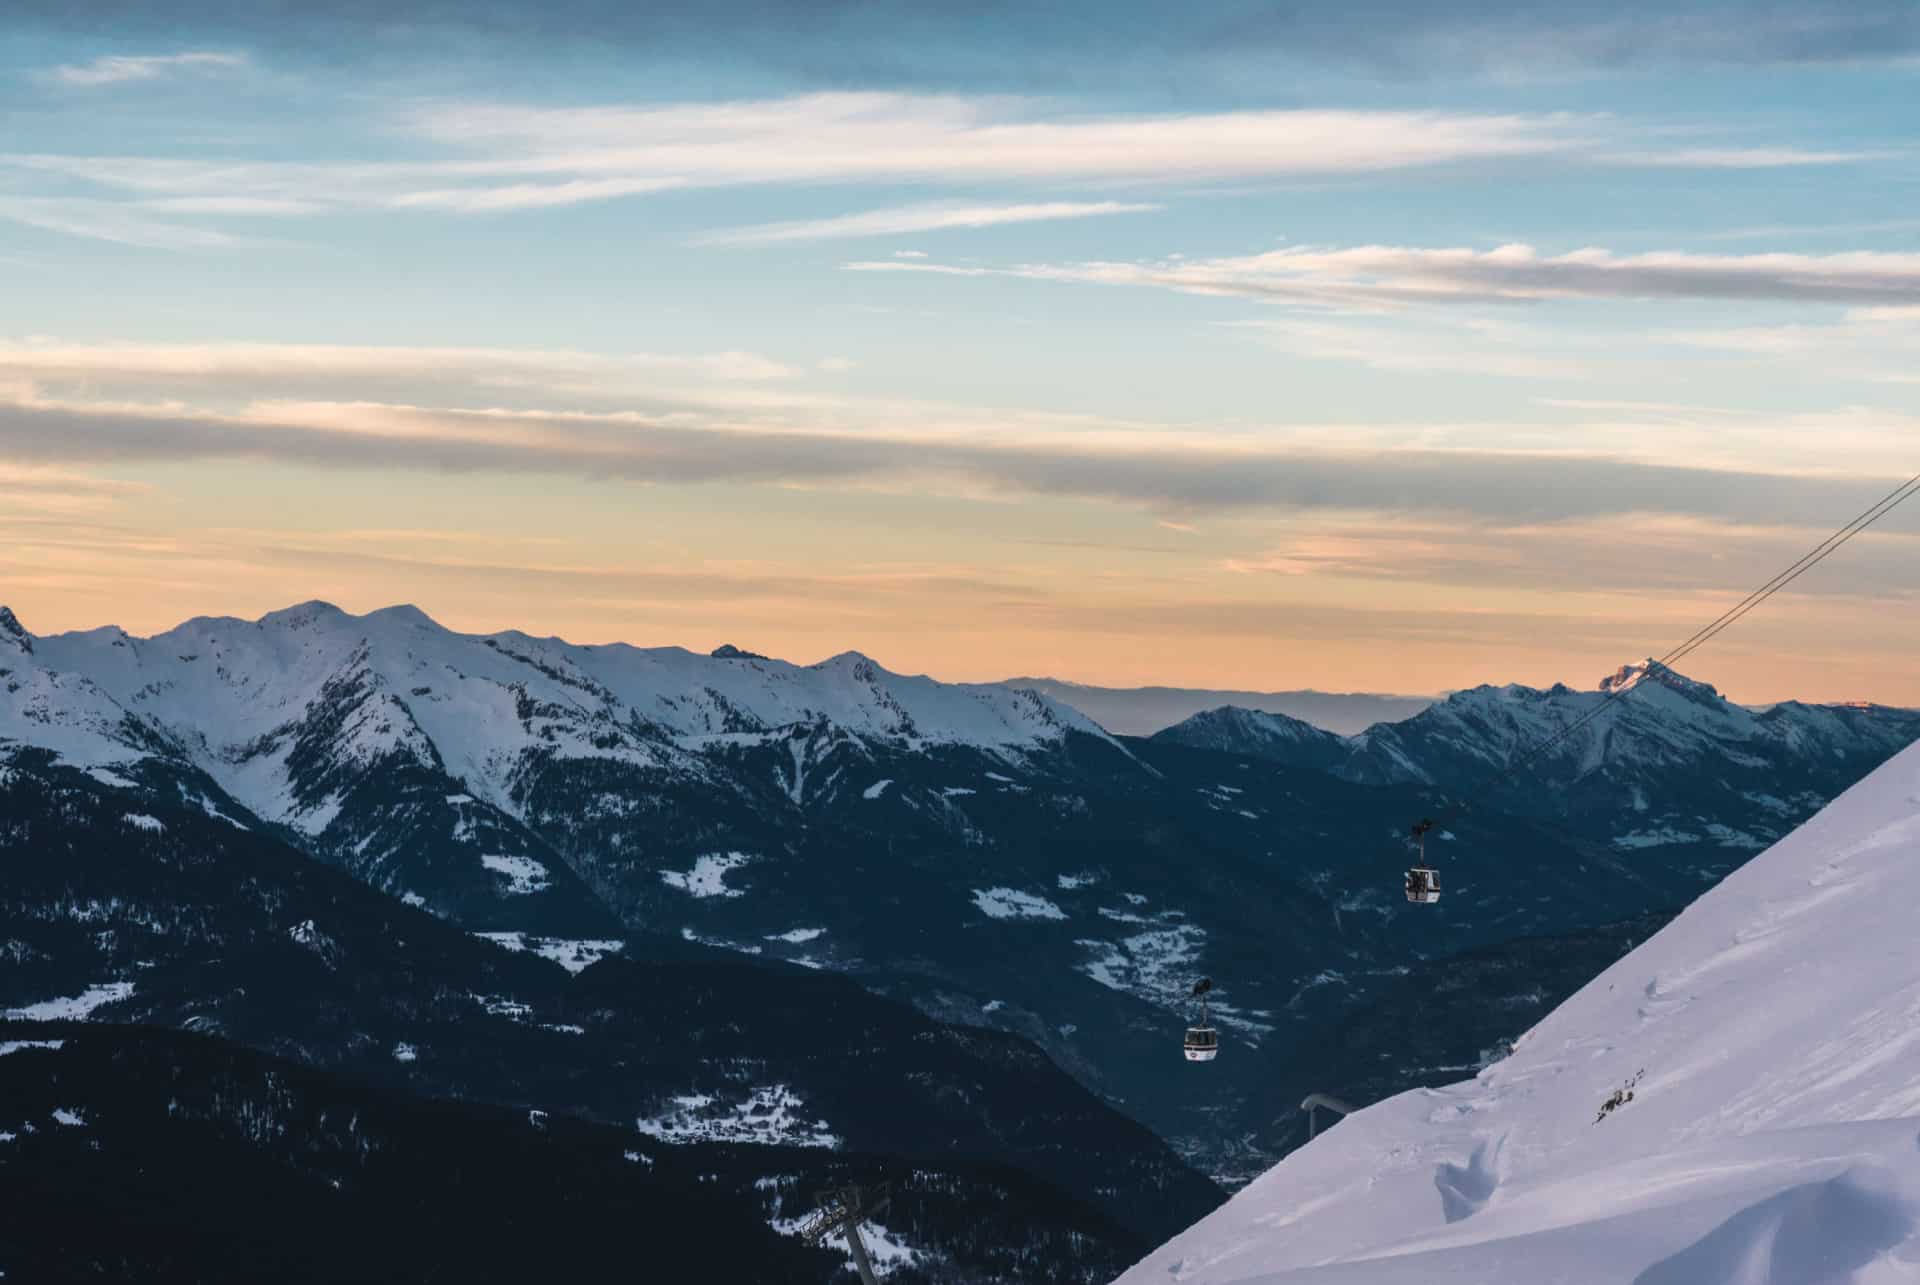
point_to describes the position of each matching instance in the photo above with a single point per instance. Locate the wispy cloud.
(500, 157)
(125, 223)
(118, 69)
(930, 216)
(230, 365)
(1739, 158)
(1476, 347)
(1381, 276)
(1176, 473)
(531, 196)
(1874, 343)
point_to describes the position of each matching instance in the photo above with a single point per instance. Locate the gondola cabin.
(1423, 881)
(1203, 1041)
(1423, 885)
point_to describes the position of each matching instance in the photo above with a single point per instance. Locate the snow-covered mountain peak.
(13, 635)
(1628, 677)
(1733, 1103)
(303, 615)
(281, 706)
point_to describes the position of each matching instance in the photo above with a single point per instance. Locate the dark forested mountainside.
(131, 1154)
(171, 916)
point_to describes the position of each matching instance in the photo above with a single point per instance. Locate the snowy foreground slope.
(1773, 1136)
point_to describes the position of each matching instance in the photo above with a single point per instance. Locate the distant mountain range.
(989, 856)
(1142, 711)
(1669, 761)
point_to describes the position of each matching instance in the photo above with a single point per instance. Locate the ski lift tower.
(840, 1213)
(1332, 1104)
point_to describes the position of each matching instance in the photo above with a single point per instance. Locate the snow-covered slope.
(1770, 1040)
(473, 774)
(64, 713)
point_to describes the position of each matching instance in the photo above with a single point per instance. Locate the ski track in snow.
(1769, 1038)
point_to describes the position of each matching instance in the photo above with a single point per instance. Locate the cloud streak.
(119, 69)
(1374, 277)
(931, 216)
(479, 158)
(1174, 474)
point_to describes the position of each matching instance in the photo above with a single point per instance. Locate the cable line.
(1699, 638)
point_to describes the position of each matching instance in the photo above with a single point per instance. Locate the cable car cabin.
(1423, 885)
(1203, 1043)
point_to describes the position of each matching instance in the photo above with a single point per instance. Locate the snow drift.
(1762, 1058)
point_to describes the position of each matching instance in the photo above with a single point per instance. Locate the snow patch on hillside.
(771, 1115)
(75, 1008)
(524, 875)
(573, 954)
(708, 878)
(1010, 903)
(887, 1250)
(14, 1046)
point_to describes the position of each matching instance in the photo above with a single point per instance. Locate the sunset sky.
(1391, 345)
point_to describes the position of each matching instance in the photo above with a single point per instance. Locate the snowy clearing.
(771, 1115)
(708, 878)
(875, 790)
(1010, 903)
(575, 954)
(74, 1009)
(886, 1250)
(14, 1046)
(524, 874)
(141, 821)
(718, 943)
(797, 936)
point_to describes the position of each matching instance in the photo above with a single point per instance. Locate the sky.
(1384, 345)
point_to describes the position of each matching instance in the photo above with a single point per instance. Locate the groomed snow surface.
(1771, 1039)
